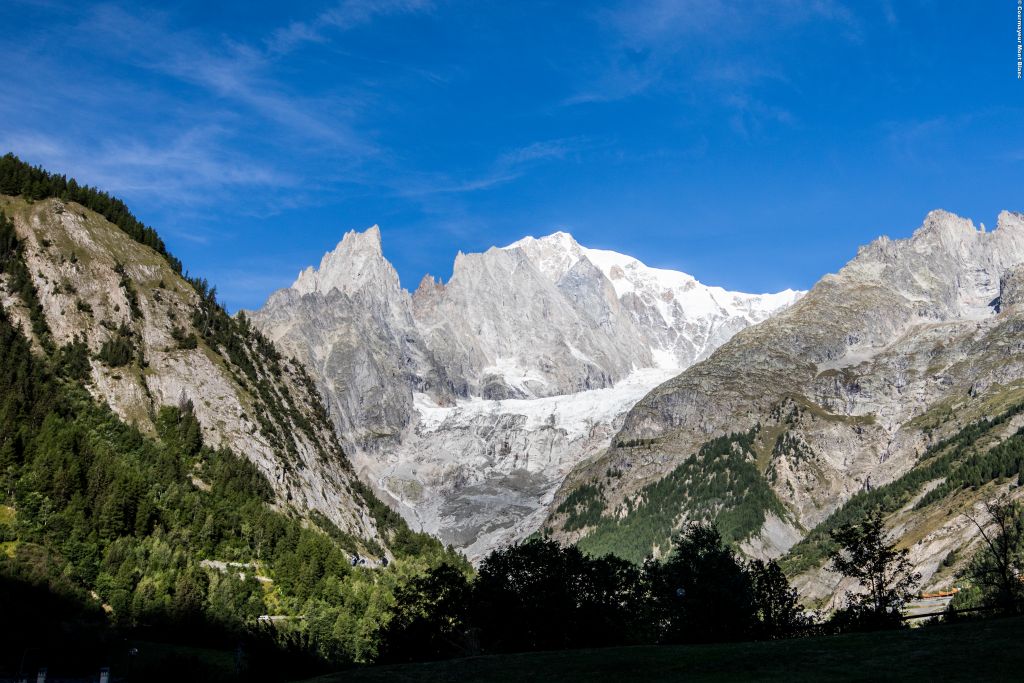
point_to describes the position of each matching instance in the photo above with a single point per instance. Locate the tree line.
(33, 182)
(540, 595)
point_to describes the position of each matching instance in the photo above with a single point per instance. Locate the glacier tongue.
(482, 473)
(467, 403)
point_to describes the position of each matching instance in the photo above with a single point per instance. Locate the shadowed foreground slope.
(977, 650)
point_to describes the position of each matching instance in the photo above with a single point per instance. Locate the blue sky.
(754, 145)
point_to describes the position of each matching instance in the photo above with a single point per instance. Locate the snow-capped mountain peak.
(683, 317)
(553, 255)
(469, 401)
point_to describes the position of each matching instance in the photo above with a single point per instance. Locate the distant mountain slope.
(840, 393)
(467, 402)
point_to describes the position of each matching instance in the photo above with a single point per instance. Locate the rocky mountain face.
(549, 385)
(154, 340)
(351, 323)
(842, 393)
(467, 403)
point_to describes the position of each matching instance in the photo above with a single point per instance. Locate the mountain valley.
(638, 398)
(549, 388)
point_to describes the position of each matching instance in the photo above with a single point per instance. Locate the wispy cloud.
(918, 141)
(507, 167)
(191, 168)
(752, 115)
(676, 45)
(621, 76)
(544, 150)
(204, 114)
(232, 71)
(889, 12)
(342, 17)
(666, 22)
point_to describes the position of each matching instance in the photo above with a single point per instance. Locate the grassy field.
(978, 651)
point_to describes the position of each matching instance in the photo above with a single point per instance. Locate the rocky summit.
(467, 403)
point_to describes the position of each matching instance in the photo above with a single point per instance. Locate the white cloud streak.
(190, 169)
(507, 167)
(234, 72)
(677, 45)
(341, 17)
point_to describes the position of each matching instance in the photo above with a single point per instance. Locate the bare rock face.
(894, 292)
(92, 279)
(1011, 290)
(512, 333)
(468, 402)
(909, 341)
(351, 324)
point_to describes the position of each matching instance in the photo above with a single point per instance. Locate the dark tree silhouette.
(539, 595)
(779, 612)
(430, 618)
(702, 592)
(884, 573)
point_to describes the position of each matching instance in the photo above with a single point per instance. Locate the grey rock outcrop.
(513, 333)
(351, 323)
(946, 274)
(1011, 290)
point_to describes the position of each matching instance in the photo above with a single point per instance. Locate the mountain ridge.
(436, 406)
(837, 388)
(113, 290)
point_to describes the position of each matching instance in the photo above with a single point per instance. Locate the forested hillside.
(146, 527)
(721, 483)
